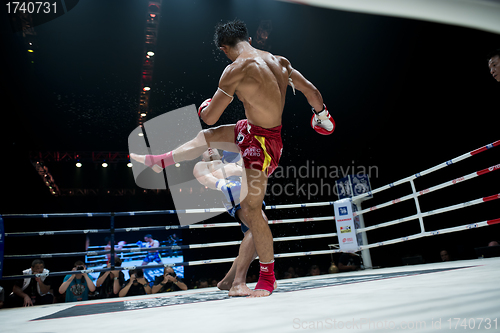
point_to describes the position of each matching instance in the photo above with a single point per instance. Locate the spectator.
(445, 256)
(136, 285)
(33, 291)
(203, 283)
(168, 282)
(109, 283)
(349, 262)
(77, 286)
(314, 270)
(291, 270)
(494, 64)
(287, 275)
(493, 243)
(2, 296)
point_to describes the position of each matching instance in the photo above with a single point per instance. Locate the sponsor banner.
(353, 185)
(346, 229)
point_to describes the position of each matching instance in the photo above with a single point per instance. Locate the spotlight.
(129, 164)
(143, 114)
(140, 134)
(105, 165)
(30, 51)
(146, 88)
(78, 165)
(177, 165)
(151, 53)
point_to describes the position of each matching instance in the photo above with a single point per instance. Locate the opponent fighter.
(260, 80)
(211, 172)
(153, 255)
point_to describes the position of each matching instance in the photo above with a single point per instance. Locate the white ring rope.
(326, 218)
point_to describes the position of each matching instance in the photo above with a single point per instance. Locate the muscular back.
(261, 83)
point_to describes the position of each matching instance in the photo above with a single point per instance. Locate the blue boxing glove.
(230, 157)
(231, 190)
(139, 244)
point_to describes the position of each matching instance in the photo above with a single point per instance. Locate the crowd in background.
(76, 287)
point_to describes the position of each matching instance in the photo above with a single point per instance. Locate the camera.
(138, 273)
(172, 274)
(80, 268)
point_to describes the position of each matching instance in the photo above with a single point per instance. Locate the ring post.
(419, 212)
(354, 186)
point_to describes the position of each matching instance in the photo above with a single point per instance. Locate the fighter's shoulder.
(233, 72)
(283, 61)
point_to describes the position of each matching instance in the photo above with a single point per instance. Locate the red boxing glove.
(322, 122)
(203, 106)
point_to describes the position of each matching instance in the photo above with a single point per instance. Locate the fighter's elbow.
(209, 120)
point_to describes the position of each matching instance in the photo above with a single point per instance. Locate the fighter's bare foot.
(262, 292)
(224, 285)
(240, 290)
(142, 159)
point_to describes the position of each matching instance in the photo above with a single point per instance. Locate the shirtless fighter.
(260, 80)
(222, 173)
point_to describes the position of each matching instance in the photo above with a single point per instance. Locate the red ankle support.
(163, 160)
(266, 277)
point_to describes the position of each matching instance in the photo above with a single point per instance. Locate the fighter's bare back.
(260, 81)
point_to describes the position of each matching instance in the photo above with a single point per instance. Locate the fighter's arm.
(228, 83)
(303, 85)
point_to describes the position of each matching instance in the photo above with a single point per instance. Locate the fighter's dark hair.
(148, 236)
(230, 33)
(492, 54)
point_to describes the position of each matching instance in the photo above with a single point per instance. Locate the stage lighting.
(143, 114)
(129, 164)
(105, 165)
(150, 53)
(177, 164)
(146, 88)
(78, 165)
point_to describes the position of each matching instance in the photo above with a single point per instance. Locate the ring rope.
(433, 233)
(168, 227)
(430, 170)
(175, 247)
(161, 212)
(302, 205)
(279, 255)
(432, 212)
(393, 241)
(429, 190)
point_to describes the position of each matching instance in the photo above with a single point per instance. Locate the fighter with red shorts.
(260, 80)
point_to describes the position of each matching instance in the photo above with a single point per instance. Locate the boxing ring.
(450, 295)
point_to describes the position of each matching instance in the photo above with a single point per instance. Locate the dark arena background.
(406, 94)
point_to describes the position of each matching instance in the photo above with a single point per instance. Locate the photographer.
(109, 283)
(77, 286)
(33, 291)
(168, 282)
(136, 285)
